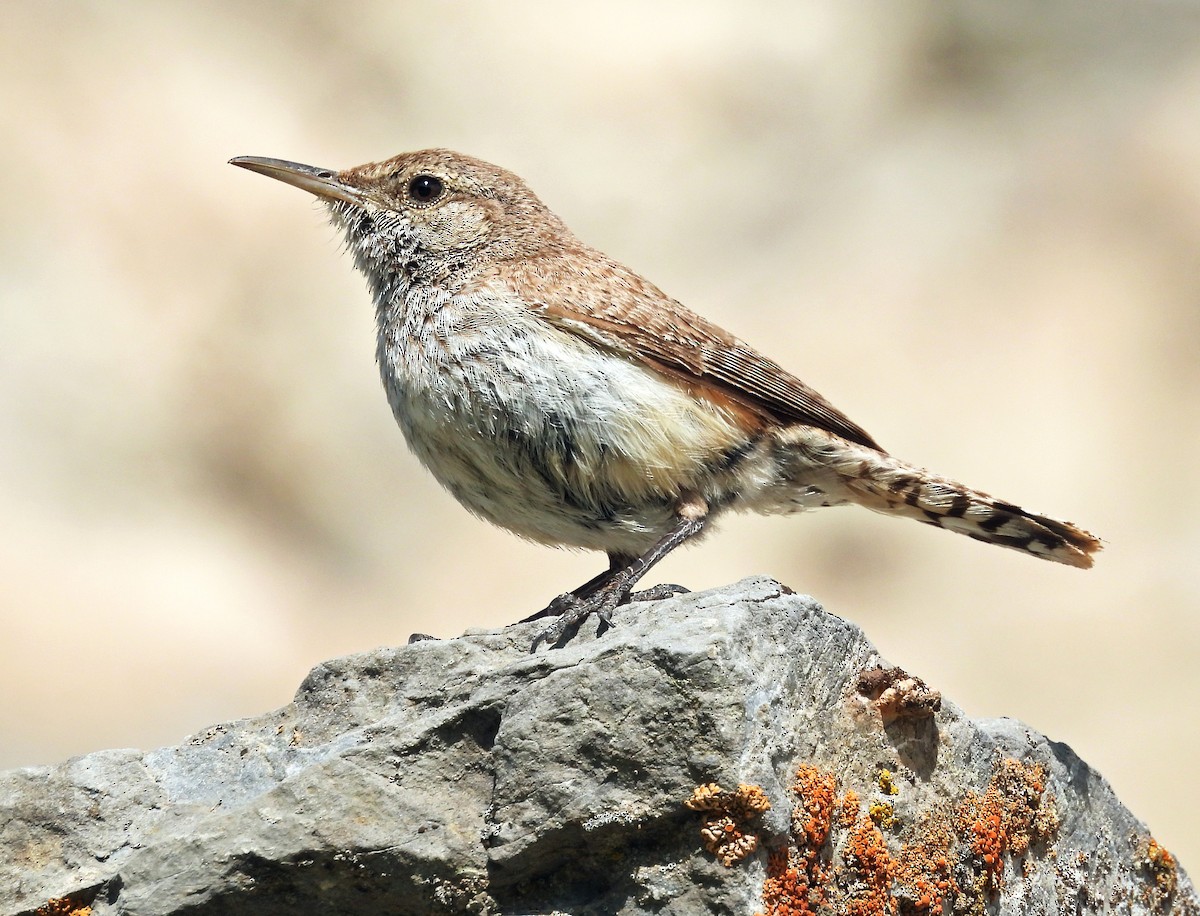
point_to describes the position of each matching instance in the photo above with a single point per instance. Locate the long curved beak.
(321, 182)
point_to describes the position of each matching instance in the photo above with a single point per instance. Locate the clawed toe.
(576, 611)
(659, 592)
(560, 605)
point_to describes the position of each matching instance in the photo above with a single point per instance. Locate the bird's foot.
(572, 610)
(559, 605)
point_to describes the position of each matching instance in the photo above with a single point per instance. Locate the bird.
(557, 394)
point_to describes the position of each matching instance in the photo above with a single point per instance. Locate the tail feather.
(884, 484)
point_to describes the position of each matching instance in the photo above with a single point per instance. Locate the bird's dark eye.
(425, 189)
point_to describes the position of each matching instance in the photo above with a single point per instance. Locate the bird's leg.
(609, 590)
(616, 562)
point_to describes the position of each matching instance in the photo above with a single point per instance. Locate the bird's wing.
(590, 295)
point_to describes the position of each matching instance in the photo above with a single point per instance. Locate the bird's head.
(437, 214)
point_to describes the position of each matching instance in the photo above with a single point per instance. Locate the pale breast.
(539, 431)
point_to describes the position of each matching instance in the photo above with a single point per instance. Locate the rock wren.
(556, 393)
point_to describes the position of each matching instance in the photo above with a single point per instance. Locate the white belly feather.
(539, 431)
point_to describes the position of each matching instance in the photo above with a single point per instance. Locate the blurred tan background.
(974, 226)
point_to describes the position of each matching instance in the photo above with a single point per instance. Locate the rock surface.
(468, 776)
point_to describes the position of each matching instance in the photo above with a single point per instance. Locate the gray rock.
(468, 776)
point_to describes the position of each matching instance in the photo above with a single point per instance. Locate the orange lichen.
(952, 859)
(847, 809)
(788, 889)
(872, 867)
(63, 906)
(924, 869)
(1162, 867)
(812, 818)
(727, 814)
(1010, 815)
(796, 878)
(800, 880)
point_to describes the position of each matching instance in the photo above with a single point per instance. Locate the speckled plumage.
(558, 394)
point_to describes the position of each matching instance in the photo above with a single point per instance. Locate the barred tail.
(884, 484)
